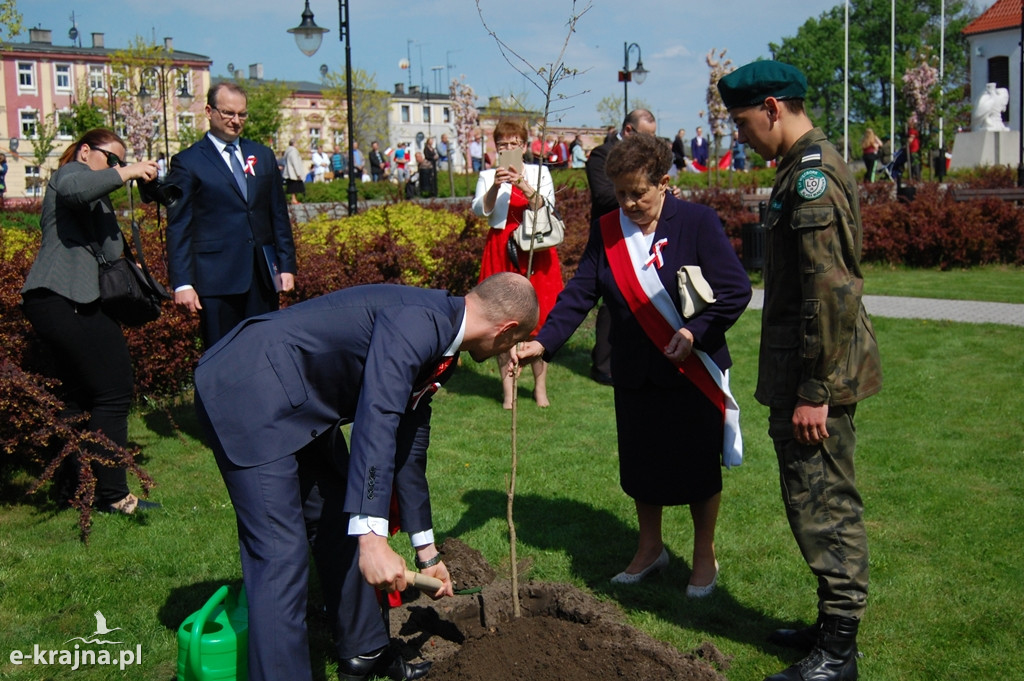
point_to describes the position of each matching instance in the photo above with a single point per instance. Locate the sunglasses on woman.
(112, 158)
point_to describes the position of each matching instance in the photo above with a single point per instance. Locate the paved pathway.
(932, 308)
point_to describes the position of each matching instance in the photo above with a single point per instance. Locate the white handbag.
(695, 292)
(540, 229)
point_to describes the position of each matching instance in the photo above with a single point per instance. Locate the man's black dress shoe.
(384, 662)
(600, 376)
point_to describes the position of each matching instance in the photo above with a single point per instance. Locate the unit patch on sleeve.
(811, 184)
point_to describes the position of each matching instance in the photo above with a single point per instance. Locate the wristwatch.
(429, 563)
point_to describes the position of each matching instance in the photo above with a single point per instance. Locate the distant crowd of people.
(416, 170)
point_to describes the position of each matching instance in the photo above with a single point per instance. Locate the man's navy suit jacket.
(280, 380)
(212, 231)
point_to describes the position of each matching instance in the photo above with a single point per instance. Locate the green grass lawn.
(938, 462)
(993, 283)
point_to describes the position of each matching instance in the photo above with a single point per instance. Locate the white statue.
(988, 113)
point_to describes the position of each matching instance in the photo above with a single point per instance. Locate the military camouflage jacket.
(817, 342)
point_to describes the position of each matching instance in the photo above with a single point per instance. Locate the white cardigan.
(497, 217)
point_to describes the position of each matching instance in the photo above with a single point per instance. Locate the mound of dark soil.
(564, 634)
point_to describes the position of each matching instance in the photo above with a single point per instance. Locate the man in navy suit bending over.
(272, 396)
(229, 236)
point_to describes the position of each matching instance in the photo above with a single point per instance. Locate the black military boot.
(800, 639)
(834, 656)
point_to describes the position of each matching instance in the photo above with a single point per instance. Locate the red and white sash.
(636, 275)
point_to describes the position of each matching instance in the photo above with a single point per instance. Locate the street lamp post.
(308, 37)
(110, 93)
(182, 94)
(626, 75)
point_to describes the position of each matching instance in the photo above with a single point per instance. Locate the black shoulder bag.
(128, 293)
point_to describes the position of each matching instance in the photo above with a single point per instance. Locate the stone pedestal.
(985, 148)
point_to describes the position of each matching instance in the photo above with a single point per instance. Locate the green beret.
(749, 85)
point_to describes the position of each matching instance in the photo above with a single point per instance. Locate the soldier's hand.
(809, 422)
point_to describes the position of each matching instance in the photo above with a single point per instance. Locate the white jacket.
(497, 217)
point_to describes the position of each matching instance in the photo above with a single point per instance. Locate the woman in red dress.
(503, 194)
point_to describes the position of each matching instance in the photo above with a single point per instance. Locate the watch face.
(811, 184)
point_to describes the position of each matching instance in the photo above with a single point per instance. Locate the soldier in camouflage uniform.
(818, 355)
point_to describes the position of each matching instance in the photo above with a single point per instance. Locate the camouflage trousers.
(824, 509)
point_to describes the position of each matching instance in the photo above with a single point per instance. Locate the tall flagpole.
(942, 68)
(846, 85)
(892, 79)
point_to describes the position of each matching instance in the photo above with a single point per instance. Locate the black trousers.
(220, 314)
(95, 370)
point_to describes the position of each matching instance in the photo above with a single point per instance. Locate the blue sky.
(674, 36)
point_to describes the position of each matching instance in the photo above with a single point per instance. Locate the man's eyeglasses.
(228, 115)
(112, 158)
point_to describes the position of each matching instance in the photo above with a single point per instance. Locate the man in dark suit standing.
(699, 148)
(272, 396)
(602, 200)
(229, 238)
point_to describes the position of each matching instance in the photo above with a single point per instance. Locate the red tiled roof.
(1001, 15)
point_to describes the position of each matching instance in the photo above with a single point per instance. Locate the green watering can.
(213, 642)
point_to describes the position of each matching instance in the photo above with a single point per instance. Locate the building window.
(120, 127)
(339, 138)
(65, 124)
(314, 137)
(96, 79)
(33, 182)
(426, 114)
(186, 120)
(150, 81)
(26, 76)
(447, 114)
(62, 77)
(29, 122)
(406, 114)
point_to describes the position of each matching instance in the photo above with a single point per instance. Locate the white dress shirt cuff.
(360, 524)
(424, 538)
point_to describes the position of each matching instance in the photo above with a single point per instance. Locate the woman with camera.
(503, 195)
(61, 299)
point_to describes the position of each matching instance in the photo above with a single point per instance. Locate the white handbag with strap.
(695, 292)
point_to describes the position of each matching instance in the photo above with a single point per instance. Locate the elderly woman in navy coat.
(671, 401)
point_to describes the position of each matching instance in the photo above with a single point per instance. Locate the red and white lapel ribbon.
(250, 166)
(653, 308)
(656, 258)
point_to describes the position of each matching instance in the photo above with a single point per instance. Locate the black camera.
(157, 190)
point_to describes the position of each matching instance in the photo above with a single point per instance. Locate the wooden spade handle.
(423, 582)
